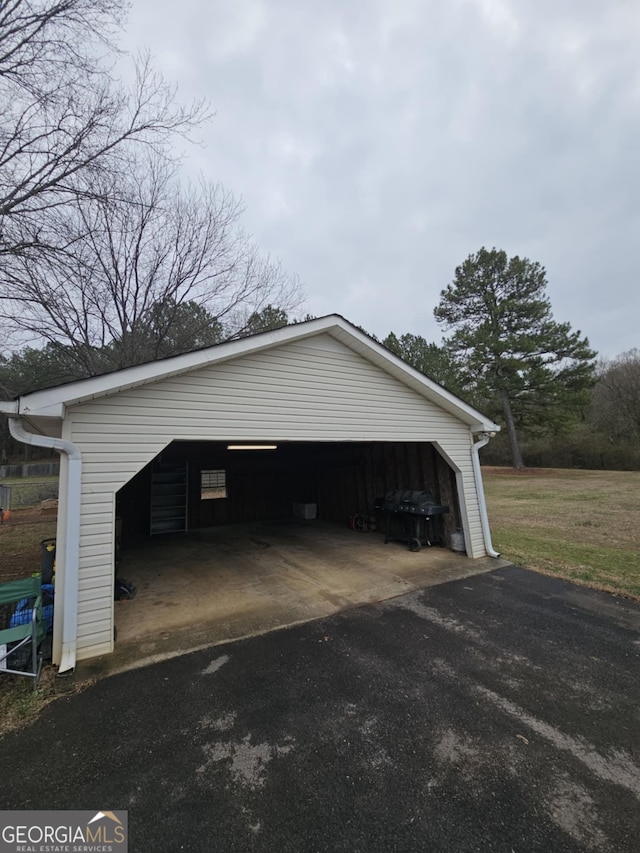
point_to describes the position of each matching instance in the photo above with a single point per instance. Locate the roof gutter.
(72, 536)
(484, 518)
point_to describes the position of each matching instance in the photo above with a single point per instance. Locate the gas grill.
(411, 513)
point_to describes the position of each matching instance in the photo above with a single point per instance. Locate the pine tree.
(429, 358)
(520, 361)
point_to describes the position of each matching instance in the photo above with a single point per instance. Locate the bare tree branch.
(138, 241)
(102, 253)
(63, 116)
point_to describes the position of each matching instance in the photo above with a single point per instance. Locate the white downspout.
(484, 518)
(72, 533)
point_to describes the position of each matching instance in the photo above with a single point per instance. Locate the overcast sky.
(378, 143)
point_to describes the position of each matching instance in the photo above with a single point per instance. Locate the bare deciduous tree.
(101, 251)
(615, 402)
(138, 257)
(62, 118)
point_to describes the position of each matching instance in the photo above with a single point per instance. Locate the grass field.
(580, 525)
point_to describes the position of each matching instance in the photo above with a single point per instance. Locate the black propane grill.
(412, 513)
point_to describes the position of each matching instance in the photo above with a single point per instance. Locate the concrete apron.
(218, 584)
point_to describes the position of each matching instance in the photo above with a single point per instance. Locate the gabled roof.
(52, 402)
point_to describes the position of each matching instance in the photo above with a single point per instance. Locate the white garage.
(323, 417)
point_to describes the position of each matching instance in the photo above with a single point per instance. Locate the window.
(213, 484)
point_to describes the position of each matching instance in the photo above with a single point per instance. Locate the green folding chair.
(22, 628)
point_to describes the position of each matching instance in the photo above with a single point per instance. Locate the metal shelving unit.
(168, 498)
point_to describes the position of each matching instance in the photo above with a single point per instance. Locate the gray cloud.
(378, 144)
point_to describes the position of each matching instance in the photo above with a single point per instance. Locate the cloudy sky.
(378, 143)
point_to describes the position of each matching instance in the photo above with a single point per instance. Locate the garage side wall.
(311, 390)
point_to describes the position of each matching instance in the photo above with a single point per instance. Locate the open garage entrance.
(191, 485)
(221, 542)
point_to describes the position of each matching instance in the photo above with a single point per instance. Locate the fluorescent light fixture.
(252, 446)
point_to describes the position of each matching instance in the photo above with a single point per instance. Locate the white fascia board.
(53, 401)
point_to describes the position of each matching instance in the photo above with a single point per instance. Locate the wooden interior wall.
(340, 478)
(353, 475)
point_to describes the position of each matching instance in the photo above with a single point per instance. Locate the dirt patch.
(20, 538)
(20, 704)
(27, 516)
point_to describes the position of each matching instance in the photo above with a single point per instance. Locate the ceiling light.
(252, 446)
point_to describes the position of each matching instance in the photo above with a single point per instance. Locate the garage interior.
(260, 481)
(223, 542)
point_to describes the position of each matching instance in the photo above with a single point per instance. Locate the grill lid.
(407, 500)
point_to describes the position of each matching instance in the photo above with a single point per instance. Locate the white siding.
(311, 390)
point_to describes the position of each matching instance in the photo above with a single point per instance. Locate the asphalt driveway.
(496, 713)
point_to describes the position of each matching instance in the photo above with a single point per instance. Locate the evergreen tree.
(434, 361)
(269, 318)
(167, 328)
(34, 368)
(523, 364)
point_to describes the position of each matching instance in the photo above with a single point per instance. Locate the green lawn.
(580, 525)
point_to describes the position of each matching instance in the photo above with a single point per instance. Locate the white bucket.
(457, 541)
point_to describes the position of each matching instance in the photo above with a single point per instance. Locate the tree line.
(599, 431)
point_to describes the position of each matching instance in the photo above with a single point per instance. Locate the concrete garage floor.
(218, 584)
